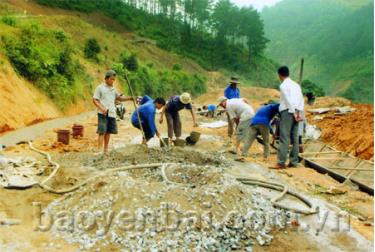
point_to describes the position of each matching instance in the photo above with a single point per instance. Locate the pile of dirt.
(330, 102)
(353, 132)
(186, 206)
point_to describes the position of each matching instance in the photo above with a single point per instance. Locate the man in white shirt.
(104, 99)
(239, 111)
(291, 107)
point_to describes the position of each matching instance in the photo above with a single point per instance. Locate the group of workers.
(143, 118)
(249, 124)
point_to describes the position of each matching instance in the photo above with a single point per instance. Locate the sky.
(257, 4)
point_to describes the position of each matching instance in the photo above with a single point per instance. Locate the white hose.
(43, 185)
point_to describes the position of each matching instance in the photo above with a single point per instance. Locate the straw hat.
(234, 80)
(185, 98)
(221, 100)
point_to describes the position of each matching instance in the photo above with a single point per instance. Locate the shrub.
(309, 86)
(130, 62)
(92, 48)
(46, 59)
(60, 35)
(177, 67)
(8, 20)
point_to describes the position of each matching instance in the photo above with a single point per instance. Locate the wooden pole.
(135, 106)
(321, 152)
(350, 169)
(301, 71)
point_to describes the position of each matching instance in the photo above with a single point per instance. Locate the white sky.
(257, 4)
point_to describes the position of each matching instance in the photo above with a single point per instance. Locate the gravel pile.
(139, 211)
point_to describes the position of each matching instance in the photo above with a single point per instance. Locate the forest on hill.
(335, 37)
(216, 34)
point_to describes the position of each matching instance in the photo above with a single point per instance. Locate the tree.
(309, 86)
(251, 27)
(92, 48)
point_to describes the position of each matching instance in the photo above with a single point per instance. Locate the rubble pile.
(20, 172)
(201, 210)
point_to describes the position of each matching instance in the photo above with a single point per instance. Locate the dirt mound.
(329, 102)
(353, 132)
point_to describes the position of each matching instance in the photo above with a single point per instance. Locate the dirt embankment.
(21, 103)
(353, 132)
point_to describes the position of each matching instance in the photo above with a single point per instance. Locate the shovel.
(166, 145)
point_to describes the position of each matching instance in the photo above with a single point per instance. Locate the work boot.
(278, 166)
(300, 149)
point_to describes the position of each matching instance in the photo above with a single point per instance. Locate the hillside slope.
(22, 104)
(33, 40)
(334, 36)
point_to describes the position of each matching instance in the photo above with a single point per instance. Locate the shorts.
(242, 129)
(106, 125)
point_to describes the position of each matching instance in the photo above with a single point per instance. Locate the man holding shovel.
(146, 113)
(241, 112)
(105, 97)
(260, 124)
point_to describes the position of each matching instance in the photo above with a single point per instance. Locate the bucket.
(63, 136)
(166, 141)
(194, 136)
(77, 130)
(179, 142)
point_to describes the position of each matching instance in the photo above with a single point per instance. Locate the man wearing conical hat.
(171, 111)
(231, 92)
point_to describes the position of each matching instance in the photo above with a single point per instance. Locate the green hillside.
(334, 36)
(63, 47)
(65, 56)
(216, 34)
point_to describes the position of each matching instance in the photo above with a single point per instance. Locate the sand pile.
(353, 132)
(201, 210)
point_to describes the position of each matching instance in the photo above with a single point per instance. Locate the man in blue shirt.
(260, 124)
(211, 109)
(147, 113)
(230, 92)
(171, 111)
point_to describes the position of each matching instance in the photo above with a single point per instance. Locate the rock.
(334, 190)
(368, 224)
(9, 222)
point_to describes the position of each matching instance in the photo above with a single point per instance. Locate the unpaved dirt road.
(78, 157)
